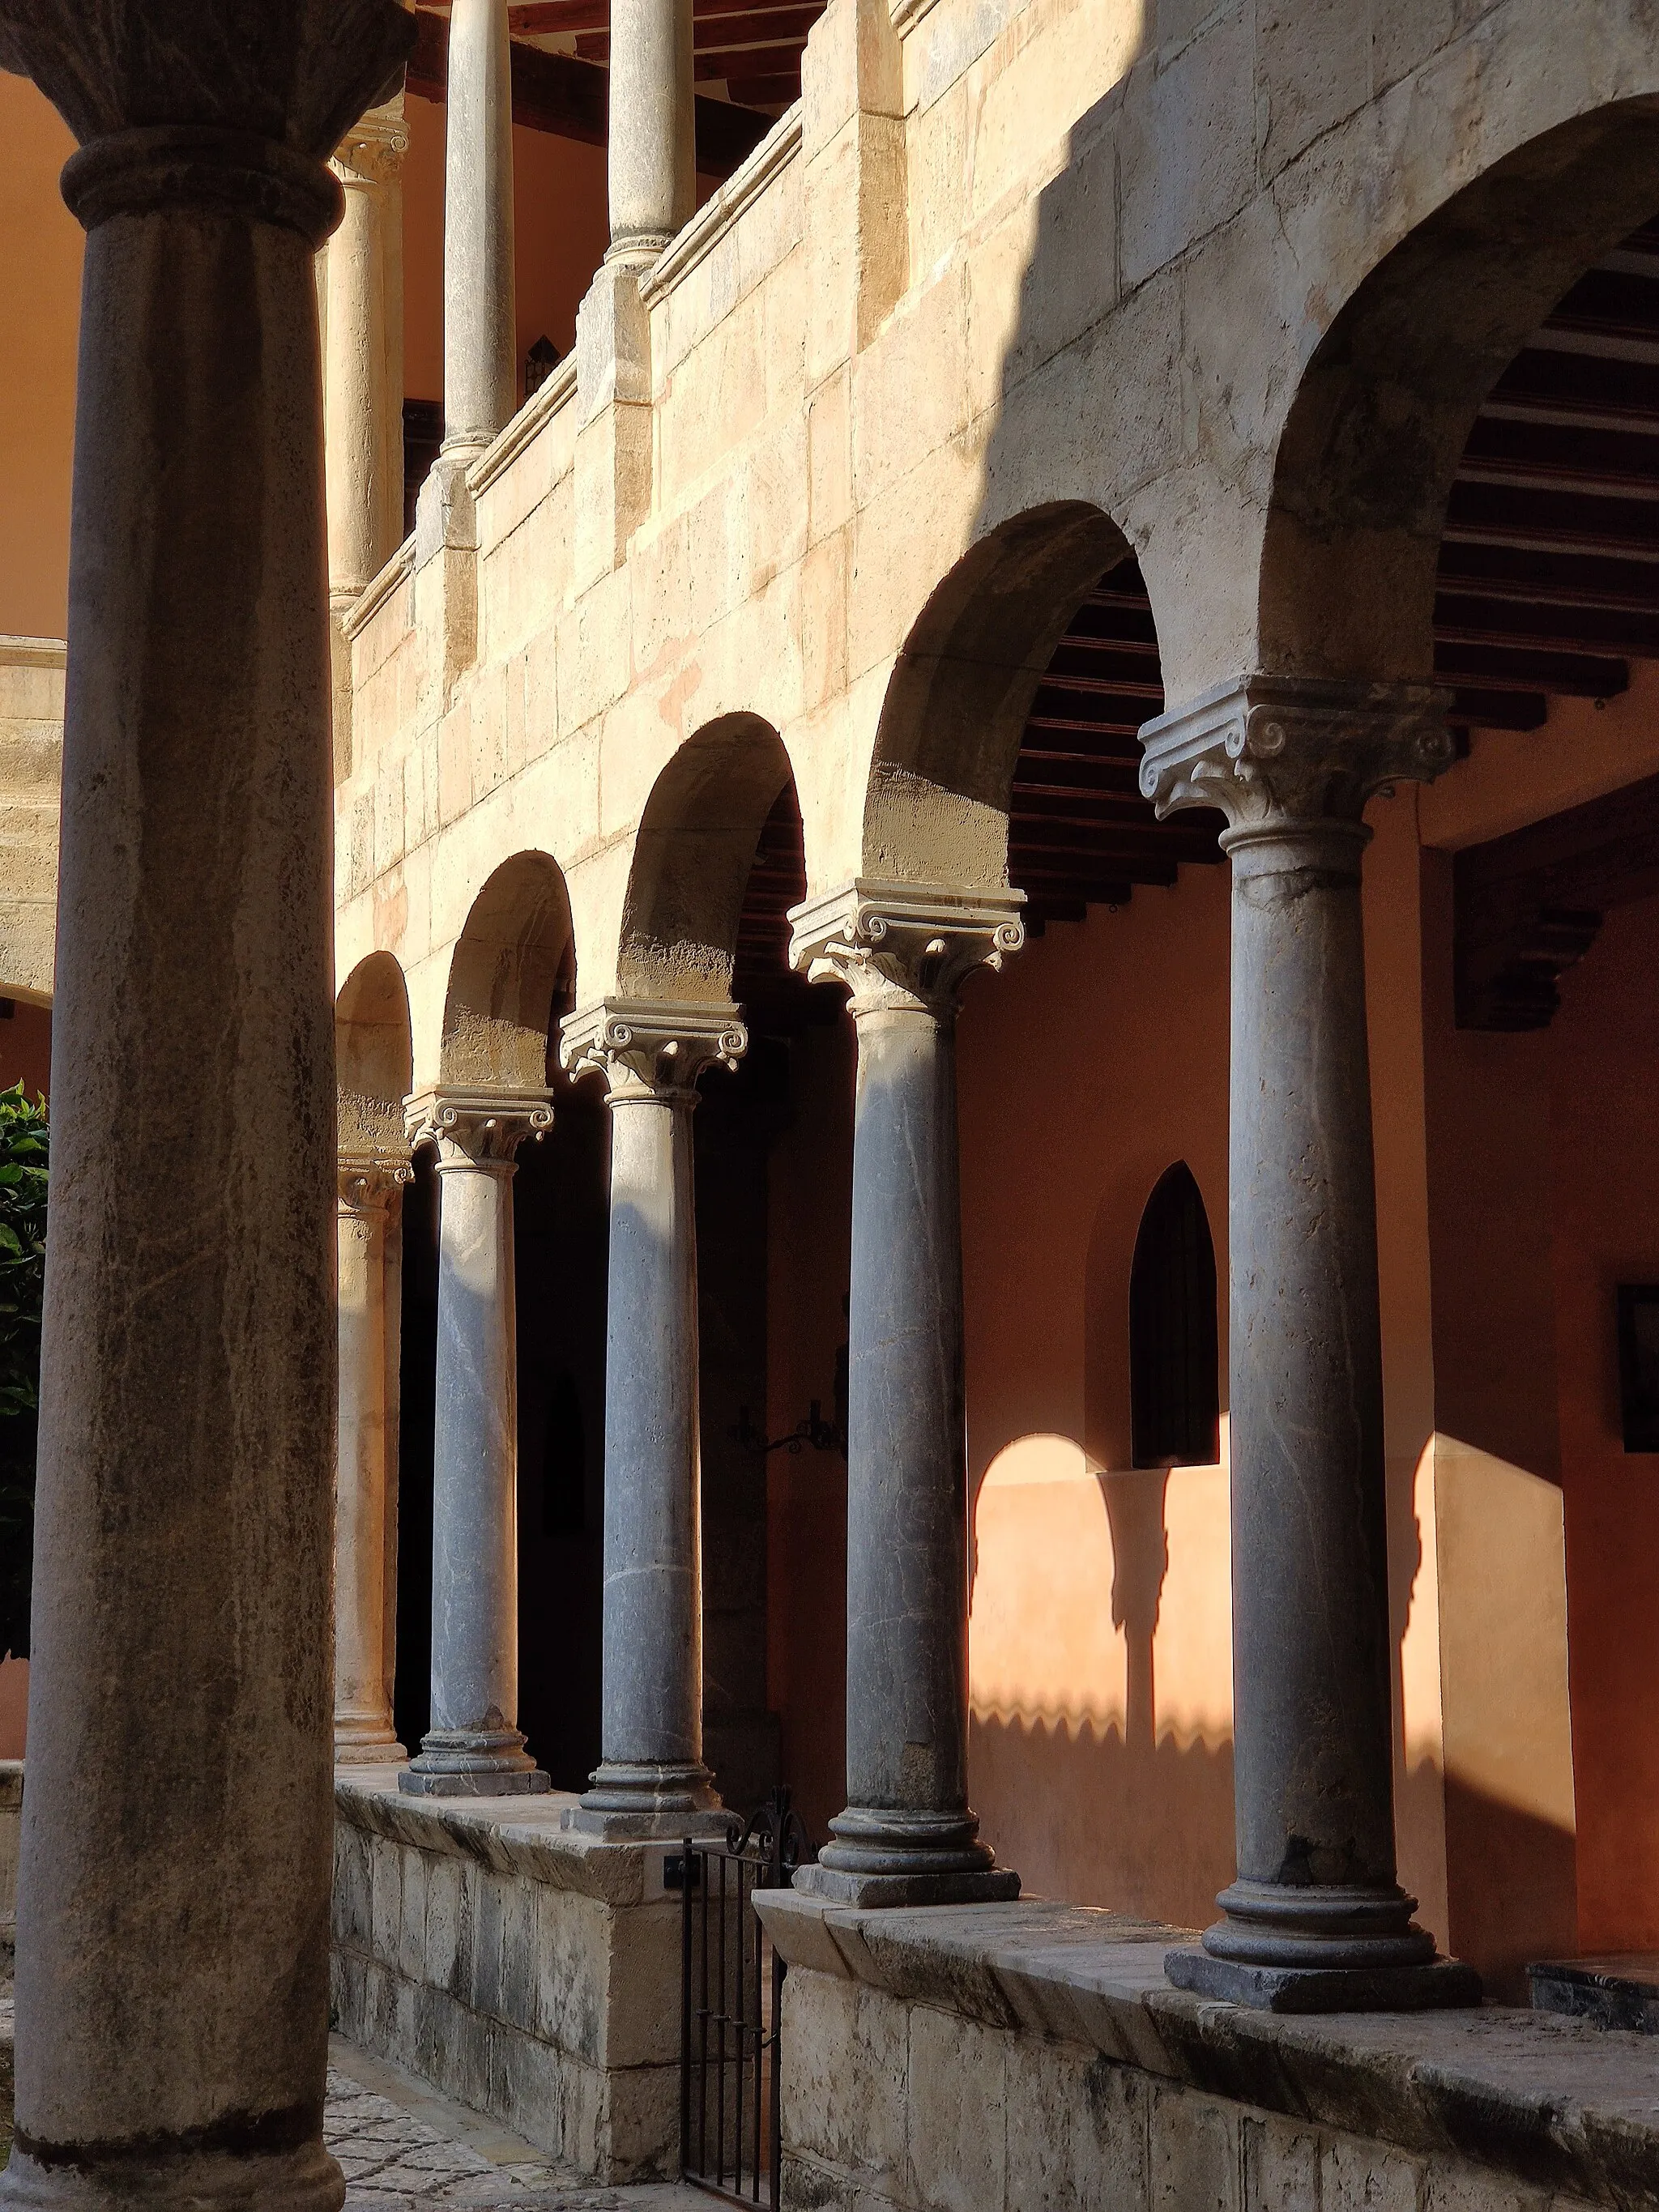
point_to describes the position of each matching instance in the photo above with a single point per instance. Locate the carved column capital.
(368, 1182)
(372, 152)
(1279, 752)
(904, 947)
(477, 1128)
(651, 1048)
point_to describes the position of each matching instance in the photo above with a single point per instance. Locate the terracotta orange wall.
(40, 245)
(561, 230)
(1603, 1110)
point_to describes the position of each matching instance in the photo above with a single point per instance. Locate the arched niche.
(512, 972)
(373, 1056)
(1373, 438)
(936, 810)
(692, 858)
(1175, 1375)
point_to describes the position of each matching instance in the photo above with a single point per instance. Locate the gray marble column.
(652, 146)
(474, 1746)
(172, 1931)
(481, 345)
(1316, 1920)
(908, 1836)
(369, 1194)
(652, 1780)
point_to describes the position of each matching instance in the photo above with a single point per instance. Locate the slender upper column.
(652, 1780)
(652, 150)
(474, 1746)
(481, 367)
(907, 1836)
(173, 1933)
(1315, 1919)
(370, 1190)
(362, 366)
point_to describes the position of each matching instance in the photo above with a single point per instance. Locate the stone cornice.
(525, 426)
(716, 216)
(1278, 750)
(32, 653)
(397, 570)
(907, 14)
(652, 1048)
(487, 1127)
(899, 945)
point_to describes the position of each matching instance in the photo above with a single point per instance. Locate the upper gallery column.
(481, 346)
(651, 1780)
(907, 1836)
(474, 1746)
(1316, 1920)
(652, 150)
(370, 1194)
(364, 361)
(172, 1939)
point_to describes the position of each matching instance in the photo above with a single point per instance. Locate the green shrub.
(22, 1270)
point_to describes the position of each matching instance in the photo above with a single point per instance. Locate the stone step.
(1619, 1990)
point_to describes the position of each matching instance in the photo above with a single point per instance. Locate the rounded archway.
(512, 974)
(372, 1054)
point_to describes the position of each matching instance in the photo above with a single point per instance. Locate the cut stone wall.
(528, 1973)
(1004, 2058)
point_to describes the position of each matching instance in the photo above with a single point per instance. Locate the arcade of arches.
(990, 674)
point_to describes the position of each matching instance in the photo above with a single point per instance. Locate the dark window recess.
(1173, 1352)
(423, 433)
(1639, 1365)
(564, 1463)
(539, 364)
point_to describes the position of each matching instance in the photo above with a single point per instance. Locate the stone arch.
(512, 974)
(692, 858)
(373, 1054)
(936, 808)
(1364, 466)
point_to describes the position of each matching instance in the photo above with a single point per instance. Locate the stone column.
(172, 1936)
(652, 1780)
(652, 147)
(907, 1836)
(1316, 1920)
(473, 1747)
(481, 345)
(369, 1194)
(363, 373)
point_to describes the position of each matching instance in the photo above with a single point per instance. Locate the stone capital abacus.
(651, 1048)
(904, 947)
(1282, 753)
(477, 1127)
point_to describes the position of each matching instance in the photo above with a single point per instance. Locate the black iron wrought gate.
(731, 2006)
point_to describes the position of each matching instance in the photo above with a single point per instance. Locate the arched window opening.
(1175, 1399)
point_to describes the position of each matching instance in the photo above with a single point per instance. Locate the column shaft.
(474, 1746)
(652, 150)
(362, 369)
(481, 375)
(173, 1936)
(363, 1730)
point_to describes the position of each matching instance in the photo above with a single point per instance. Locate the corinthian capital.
(482, 1127)
(651, 1048)
(1294, 750)
(904, 945)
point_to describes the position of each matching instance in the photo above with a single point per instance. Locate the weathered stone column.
(363, 363)
(481, 366)
(652, 149)
(474, 1747)
(652, 1780)
(907, 1836)
(370, 1191)
(172, 1938)
(1315, 1919)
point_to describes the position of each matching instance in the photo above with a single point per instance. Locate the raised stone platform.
(1618, 1991)
(527, 1972)
(1005, 2057)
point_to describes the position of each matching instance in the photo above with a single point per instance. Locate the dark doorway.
(1174, 1390)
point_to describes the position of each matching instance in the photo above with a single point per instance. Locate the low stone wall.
(1033, 2059)
(528, 1973)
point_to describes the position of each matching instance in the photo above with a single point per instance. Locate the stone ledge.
(1549, 2102)
(526, 1840)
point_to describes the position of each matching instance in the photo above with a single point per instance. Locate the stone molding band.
(199, 167)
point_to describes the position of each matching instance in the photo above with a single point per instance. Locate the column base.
(649, 1804)
(1284, 1947)
(377, 1750)
(473, 1763)
(306, 2180)
(881, 1858)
